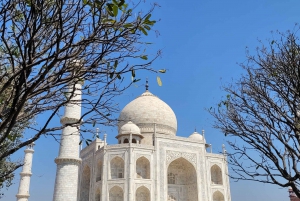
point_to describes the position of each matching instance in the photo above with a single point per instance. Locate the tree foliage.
(261, 111)
(47, 45)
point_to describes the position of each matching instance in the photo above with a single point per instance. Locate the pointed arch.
(142, 194)
(218, 196)
(117, 168)
(182, 180)
(85, 184)
(216, 175)
(116, 194)
(142, 168)
(99, 171)
(98, 195)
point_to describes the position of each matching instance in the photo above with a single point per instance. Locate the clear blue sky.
(202, 41)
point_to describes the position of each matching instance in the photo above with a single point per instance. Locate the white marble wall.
(146, 176)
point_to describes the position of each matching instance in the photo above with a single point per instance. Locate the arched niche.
(99, 171)
(142, 168)
(142, 194)
(182, 181)
(85, 183)
(98, 195)
(116, 194)
(117, 168)
(133, 141)
(126, 141)
(218, 196)
(216, 175)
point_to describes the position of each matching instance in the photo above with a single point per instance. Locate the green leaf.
(162, 70)
(143, 30)
(109, 12)
(111, 75)
(107, 114)
(115, 10)
(116, 64)
(85, 2)
(109, 9)
(94, 123)
(110, 6)
(136, 80)
(148, 17)
(147, 27)
(119, 76)
(121, 3)
(28, 2)
(128, 25)
(159, 82)
(80, 142)
(9, 136)
(150, 22)
(133, 73)
(144, 57)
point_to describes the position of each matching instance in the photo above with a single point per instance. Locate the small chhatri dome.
(148, 110)
(129, 128)
(196, 136)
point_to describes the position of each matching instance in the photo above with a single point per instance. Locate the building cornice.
(25, 174)
(68, 160)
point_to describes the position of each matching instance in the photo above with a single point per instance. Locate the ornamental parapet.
(69, 120)
(133, 145)
(29, 151)
(76, 161)
(25, 174)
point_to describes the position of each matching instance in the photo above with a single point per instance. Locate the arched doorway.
(142, 168)
(182, 181)
(116, 194)
(216, 175)
(99, 171)
(218, 196)
(85, 184)
(98, 195)
(117, 168)
(142, 194)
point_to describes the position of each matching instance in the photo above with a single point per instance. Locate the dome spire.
(147, 86)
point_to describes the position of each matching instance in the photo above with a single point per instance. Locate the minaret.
(68, 161)
(23, 193)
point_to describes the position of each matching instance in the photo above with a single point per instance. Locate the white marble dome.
(196, 136)
(128, 128)
(147, 110)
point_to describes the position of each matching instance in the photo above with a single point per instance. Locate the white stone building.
(151, 163)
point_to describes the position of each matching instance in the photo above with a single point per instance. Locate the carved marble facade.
(153, 164)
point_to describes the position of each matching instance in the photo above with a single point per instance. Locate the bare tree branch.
(49, 45)
(261, 110)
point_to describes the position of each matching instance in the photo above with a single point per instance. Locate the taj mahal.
(149, 162)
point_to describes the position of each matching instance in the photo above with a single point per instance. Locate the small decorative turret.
(23, 193)
(147, 85)
(224, 149)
